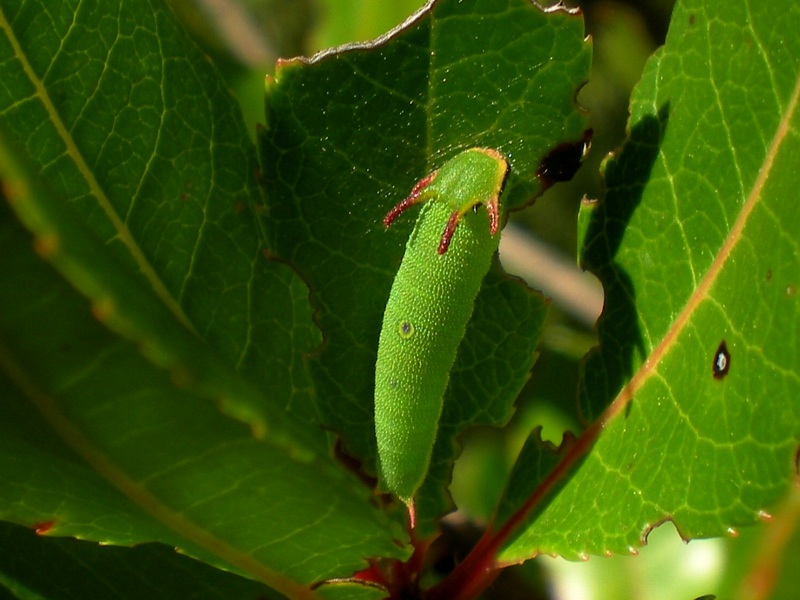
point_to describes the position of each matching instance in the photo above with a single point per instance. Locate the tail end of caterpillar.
(405, 448)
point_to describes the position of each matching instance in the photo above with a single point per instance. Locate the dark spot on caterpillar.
(691, 19)
(722, 361)
(563, 161)
(406, 330)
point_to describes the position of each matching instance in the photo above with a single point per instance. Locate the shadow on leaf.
(611, 365)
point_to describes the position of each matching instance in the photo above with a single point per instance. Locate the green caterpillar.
(446, 258)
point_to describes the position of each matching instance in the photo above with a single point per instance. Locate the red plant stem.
(480, 568)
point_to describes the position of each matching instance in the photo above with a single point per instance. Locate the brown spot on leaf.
(44, 527)
(47, 245)
(722, 361)
(103, 308)
(797, 461)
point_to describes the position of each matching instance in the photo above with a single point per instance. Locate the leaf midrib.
(134, 490)
(123, 232)
(701, 292)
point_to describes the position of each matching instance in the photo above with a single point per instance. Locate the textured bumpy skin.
(429, 306)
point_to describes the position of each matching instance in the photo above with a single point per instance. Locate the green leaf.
(348, 134)
(352, 590)
(696, 244)
(78, 569)
(139, 313)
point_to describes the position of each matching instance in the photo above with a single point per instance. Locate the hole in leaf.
(562, 162)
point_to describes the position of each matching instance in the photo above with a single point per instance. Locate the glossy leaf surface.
(696, 244)
(501, 74)
(149, 351)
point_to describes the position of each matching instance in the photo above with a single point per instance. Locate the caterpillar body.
(432, 297)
